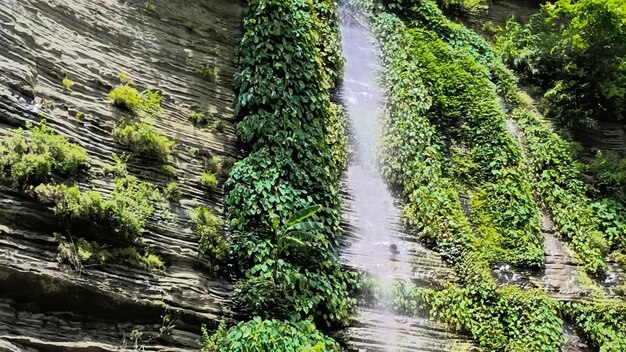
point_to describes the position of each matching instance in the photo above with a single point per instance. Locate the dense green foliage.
(558, 179)
(602, 323)
(452, 6)
(288, 62)
(573, 50)
(609, 173)
(29, 157)
(462, 103)
(508, 319)
(325, 19)
(143, 139)
(259, 335)
(437, 89)
(419, 158)
(126, 210)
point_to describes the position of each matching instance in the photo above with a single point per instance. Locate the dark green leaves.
(282, 202)
(573, 50)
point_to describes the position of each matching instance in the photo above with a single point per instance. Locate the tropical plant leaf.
(306, 226)
(303, 214)
(289, 241)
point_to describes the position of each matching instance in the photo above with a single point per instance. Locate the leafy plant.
(131, 99)
(558, 179)
(440, 86)
(67, 83)
(288, 123)
(294, 233)
(209, 180)
(452, 94)
(268, 335)
(28, 157)
(126, 210)
(602, 323)
(143, 139)
(463, 6)
(573, 50)
(125, 97)
(612, 222)
(172, 192)
(505, 319)
(150, 102)
(147, 260)
(149, 6)
(219, 166)
(81, 254)
(198, 118)
(207, 226)
(208, 71)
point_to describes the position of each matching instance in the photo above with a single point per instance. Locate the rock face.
(605, 136)
(46, 305)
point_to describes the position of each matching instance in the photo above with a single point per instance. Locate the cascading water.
(376, 243)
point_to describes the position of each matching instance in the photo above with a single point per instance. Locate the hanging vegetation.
(438, 91)
(287, 67)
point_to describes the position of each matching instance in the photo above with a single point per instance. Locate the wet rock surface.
(498, 12)
(46, 305)
(375, 241)
(561, 274)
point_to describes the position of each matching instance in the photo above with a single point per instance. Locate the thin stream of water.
(377, 243)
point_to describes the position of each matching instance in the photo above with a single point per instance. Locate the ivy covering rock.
(289, 60)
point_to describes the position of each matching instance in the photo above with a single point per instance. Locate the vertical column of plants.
(290, 276)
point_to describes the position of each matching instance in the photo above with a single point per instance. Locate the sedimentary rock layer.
(160, 45)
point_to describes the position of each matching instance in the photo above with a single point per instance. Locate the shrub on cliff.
(143, 139)
(28, 157)
(268, 335)
(206, 225)
(126, 211)
(131, 99)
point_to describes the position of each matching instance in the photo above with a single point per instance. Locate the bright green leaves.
(440, 86)
(142, 138)
(131, 99)
(501, 319)
(29, 157)
(126, 211)
(574, 51)
(259, 335)
(303, 214)
(603, 323)
(451, 94)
